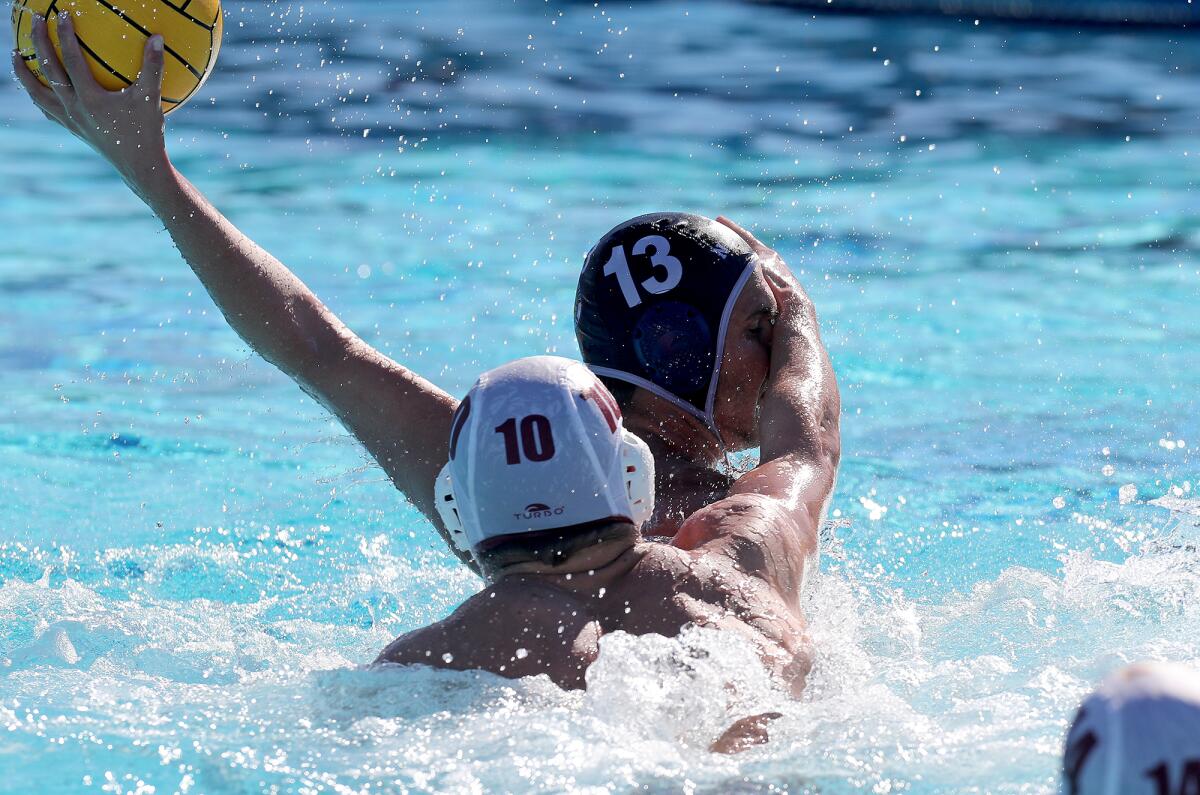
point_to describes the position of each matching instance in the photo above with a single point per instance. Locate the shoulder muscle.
(758, 535)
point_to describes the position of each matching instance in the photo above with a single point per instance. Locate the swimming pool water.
(196, 561)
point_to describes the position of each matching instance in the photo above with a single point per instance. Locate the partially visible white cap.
(538, 444)
(1139, 732)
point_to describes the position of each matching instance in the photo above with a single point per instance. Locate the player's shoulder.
(751, 515)
(758, 534)
(524, 604)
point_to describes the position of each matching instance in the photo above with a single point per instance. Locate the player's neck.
(671, 432)
(587, 570)
(591, 581)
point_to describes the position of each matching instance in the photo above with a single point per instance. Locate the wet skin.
(737, 565)
(716, 570)
(690, 460)
(742, 581)
(402, 419)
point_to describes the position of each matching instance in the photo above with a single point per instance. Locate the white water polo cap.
(539, 444)
(1138, 733)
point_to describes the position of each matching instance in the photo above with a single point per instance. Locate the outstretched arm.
(402, 419)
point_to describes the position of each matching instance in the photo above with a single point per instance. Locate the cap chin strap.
(637, 470)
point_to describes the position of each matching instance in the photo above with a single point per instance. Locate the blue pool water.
(196, 560)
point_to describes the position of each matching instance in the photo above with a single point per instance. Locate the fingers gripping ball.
(113, 34)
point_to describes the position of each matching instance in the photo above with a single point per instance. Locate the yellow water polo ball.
(113, 34)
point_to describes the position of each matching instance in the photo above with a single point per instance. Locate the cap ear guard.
(447, 508)
(637, 466)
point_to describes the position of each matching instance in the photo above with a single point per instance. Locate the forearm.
(402, 419)
(799, 419)
(263, 301)
(800, 410)
(800, 407)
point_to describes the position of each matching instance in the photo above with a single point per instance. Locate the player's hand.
(772, 263)
(746, 733)
(792, 303)
(125, 127)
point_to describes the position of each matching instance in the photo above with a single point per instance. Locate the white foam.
(920, 693)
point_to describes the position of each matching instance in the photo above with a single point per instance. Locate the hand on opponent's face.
(772, 264)
(785, 288)
(126, 126)
(747, 356)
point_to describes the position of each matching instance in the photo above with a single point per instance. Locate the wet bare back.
(745, 581)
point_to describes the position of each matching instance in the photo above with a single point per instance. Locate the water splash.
(915, 695)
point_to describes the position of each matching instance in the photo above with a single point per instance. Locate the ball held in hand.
(113, 34)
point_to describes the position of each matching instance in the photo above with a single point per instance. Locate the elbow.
(315, 343)
(831, 422)
(830, 453)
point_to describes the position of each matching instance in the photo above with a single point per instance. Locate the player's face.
(745, 364)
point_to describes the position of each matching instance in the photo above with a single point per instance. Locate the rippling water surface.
(999, 228)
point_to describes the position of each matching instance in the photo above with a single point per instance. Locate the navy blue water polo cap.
(654, 301)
